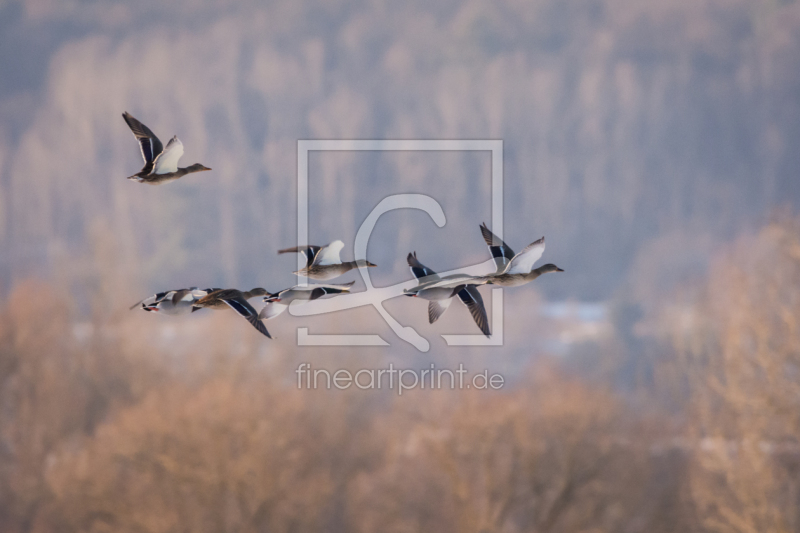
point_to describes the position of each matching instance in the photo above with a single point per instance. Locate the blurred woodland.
(653, 143)
(109, 434)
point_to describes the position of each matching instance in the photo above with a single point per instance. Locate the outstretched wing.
(523, 261)
(189, 294)
(436, 308)
(319, 291)
(308, 251)
(144, 303)
(334, 288)
(420, 271)
(501, 252)
(453, 281)
(271, 310)
(167, 161)
(152, 300)
(474, 302)
(329, 255)
(243, 307)
(148, 142)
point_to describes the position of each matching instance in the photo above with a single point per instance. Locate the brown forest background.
(653, 143)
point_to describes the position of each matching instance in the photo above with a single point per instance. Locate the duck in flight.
(324, 262)
(440, 297)
(279, 301)
(513, 269)
(177, 302)
(160, 163)
(236, 300)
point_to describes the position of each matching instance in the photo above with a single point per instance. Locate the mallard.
(177, 302)
(514, 269)
(440, 297)
(236, 300)
(323, 262)
(160, 164)
(278, 302)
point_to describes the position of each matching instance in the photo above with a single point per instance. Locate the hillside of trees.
(627, 126)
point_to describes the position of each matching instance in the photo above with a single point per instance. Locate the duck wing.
(335, 288)
(318, 291)
(152, 300)
(144, 303)
(474, 302)
(149, 144)
(167, 161)
(452, 281)
(329, 255)
(420, 271)
(523, 261)
(309, 251)
(436, 308)
(243, 307)
(190, 294)
(271, 310)
(501, 252)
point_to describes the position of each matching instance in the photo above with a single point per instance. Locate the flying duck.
(323, 262)
(278, 302)
(160, 164)
(514, 269)
(440, 297)
(236, 300)
(177, 302)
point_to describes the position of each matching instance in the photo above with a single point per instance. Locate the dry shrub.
(740, 343)
(229, 454)
(548, 456)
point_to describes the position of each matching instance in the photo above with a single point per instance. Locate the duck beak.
(371, 264)
(206, 168)
(559, 270)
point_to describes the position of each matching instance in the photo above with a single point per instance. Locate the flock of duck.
(324, 262)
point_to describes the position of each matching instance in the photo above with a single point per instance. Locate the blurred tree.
(740, 343)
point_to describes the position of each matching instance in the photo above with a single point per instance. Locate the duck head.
(550, 267)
